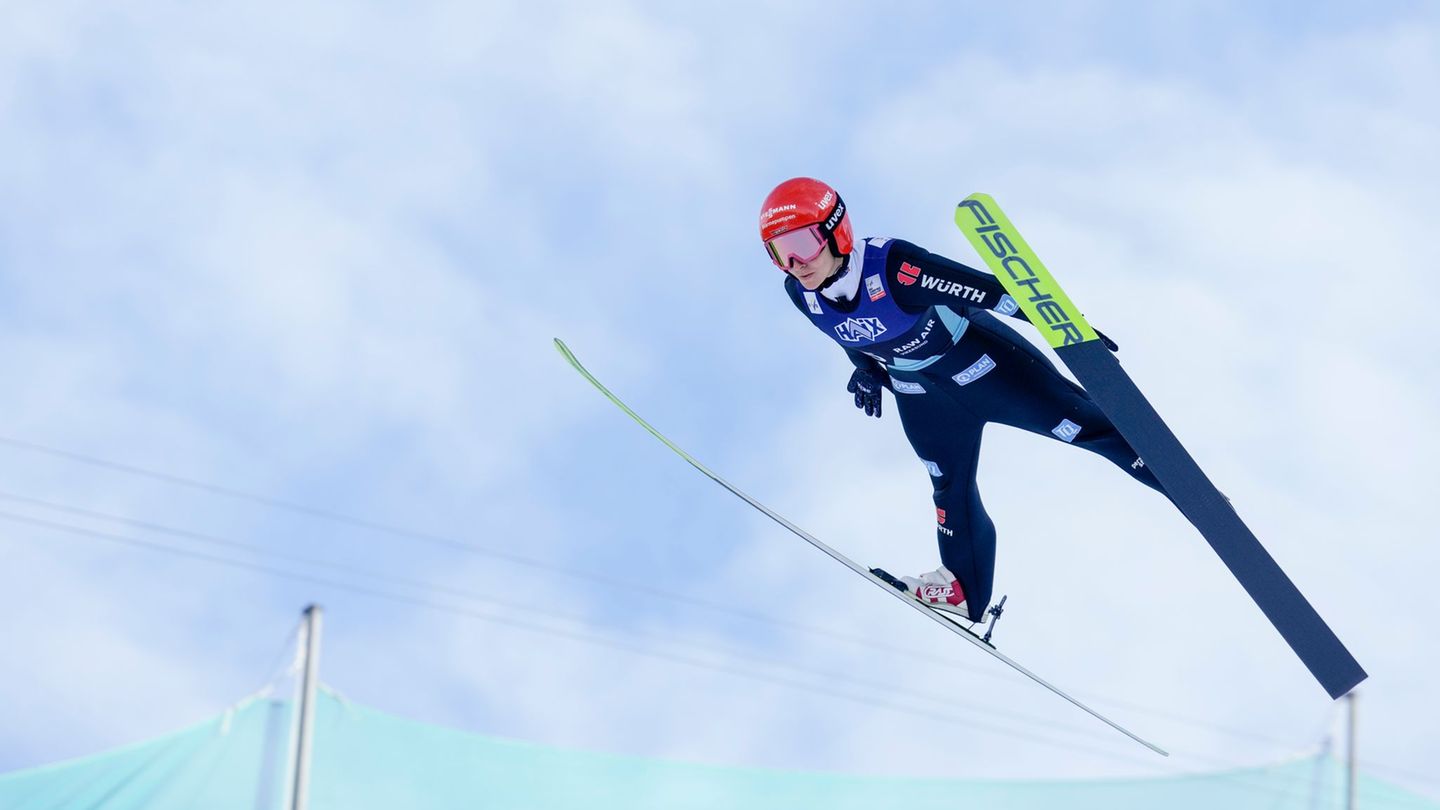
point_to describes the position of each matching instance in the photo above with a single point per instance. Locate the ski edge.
(844, 560)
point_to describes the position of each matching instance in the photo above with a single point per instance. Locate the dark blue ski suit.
(921, 325)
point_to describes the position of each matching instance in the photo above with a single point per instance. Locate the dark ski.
(1078, 346)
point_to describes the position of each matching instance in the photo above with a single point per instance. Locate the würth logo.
(908, 273)
(940, 516)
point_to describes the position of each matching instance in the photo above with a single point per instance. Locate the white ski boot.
(940, 590)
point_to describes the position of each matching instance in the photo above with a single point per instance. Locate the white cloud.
(325, 260)
(1236, 274)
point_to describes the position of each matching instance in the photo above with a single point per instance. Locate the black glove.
(866, 387)
(1109, 344)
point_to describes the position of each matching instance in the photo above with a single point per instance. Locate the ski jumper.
(921, 324)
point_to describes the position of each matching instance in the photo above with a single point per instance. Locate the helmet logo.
(835, 216)
(770, 212)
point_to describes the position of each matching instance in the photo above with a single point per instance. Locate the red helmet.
(805, 203)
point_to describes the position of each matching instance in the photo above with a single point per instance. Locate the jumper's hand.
(866, 389)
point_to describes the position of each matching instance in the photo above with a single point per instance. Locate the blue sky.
(317, 253)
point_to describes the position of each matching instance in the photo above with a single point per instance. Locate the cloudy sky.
(278, 285)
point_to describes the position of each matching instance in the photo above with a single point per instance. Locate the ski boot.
(938, 589)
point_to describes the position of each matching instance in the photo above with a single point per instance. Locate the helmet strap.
(839, 271)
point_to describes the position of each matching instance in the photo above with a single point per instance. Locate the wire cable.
(730, 652)
(610, 582)
(804, 685)
(423, 586)
(449, 542)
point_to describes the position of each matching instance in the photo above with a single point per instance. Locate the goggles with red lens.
(804, 245)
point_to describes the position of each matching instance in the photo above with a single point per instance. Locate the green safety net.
(364, 759)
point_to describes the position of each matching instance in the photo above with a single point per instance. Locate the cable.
(278, 668)
(576, 619)
(357, 522)
(471, 595)
(464, 594)
(350, 520)
(533, 627)
(868, 644)
(1243, 781)
(447, 542)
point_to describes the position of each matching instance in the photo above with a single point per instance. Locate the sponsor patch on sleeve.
(932, 468)
(1066, 431)
(1007, 306)
(907, 387)
(813, 302)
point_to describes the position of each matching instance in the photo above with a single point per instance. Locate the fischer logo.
(908, 273)
(1001, 245)
(1066, 431)
(976, 370)
(854, 330)
(954, 288)
(835, 216)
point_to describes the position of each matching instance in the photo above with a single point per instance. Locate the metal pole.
(1350, 753)
(299, 796)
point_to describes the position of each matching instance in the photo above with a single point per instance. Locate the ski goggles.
(804, 245)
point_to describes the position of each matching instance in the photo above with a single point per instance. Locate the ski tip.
(575, 362)
(974, 210)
